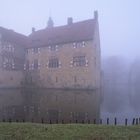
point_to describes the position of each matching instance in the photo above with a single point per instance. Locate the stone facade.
(67, 75)
(12, 57)
(60, 77)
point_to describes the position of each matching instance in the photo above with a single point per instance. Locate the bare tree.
(114, 83)
(134, 82)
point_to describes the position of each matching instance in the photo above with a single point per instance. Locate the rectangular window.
(53, 63)
(79, 61)
(53, 48)
(83, 44)
(35, 64)
(26, 65)
(74, 45)
(36, 50)
(8, 47)
(8, 63)
(79, 44)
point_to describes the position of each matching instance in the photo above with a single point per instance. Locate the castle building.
(12, 57)
(62, 62)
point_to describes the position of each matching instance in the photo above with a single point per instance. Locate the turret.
(50, 23)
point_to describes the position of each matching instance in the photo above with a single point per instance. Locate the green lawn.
(30, 131)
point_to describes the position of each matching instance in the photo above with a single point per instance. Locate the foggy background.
(119, 22)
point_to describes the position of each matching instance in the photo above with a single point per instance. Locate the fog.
(119, 23)
(119, 20)
(120, 88)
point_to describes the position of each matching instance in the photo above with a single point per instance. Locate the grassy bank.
(28, 131)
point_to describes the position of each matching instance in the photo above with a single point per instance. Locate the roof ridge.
(66, 25)
(78, 31)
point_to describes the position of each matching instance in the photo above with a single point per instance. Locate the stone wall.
(10, 78)
(67, 75)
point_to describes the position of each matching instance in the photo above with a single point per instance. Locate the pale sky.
(119, 20)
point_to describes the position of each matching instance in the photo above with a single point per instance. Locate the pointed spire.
(50, 22)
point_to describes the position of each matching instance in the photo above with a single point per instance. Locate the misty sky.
(119, 20)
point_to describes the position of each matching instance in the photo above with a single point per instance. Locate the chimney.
(70, 21)
(33, 29)
(96, 15)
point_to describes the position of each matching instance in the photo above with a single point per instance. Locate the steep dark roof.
(79, 31)
(11, 36)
